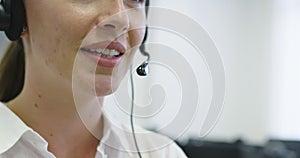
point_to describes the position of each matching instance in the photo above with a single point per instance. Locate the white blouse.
(17, 140)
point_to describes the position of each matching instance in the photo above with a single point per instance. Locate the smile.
(105, 53)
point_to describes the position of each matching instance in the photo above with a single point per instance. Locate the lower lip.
(102, 61)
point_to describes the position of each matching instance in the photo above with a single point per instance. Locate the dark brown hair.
(12, 70)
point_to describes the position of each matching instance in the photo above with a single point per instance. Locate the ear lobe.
(25, 32)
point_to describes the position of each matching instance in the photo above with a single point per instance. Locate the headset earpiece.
(4, 17)
(12, 18)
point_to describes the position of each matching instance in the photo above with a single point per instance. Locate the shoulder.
(119, 137)
(153, 144)
(157, 145)
(11, 128)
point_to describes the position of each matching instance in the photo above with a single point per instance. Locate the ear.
(25, 32)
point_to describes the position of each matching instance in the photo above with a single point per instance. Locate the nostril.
(109, 26)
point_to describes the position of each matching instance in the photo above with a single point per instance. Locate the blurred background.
(258, 42)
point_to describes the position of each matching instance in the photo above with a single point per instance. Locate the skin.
(56, 70)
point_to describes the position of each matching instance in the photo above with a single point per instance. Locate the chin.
(106, 85)
(105, 89)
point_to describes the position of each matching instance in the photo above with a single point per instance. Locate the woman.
(76, 52)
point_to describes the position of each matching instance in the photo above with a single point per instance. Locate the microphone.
(143, 69)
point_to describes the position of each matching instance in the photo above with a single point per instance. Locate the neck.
(66, 123)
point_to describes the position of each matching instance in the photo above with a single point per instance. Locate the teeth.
(108, 53)
(99, 50)
(114, 52)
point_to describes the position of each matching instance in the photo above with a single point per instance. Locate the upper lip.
(107, 45)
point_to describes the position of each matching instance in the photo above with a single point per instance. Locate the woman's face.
(89, 43)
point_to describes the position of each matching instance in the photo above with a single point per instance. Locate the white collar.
(13, 128)
(115, 137)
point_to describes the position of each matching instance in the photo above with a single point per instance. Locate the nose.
(115, 19)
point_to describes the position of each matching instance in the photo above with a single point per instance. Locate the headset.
(13, 20)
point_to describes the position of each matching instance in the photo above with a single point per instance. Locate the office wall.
(257, 41)
(285, 74)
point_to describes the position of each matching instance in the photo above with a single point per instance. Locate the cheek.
(57, 23)
(137, 27)
(136, 37)
(56, 32)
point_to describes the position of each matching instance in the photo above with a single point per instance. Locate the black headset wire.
(143, 52)
(131, 114)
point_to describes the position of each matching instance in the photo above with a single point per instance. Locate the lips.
(105, 54)
(107, 45)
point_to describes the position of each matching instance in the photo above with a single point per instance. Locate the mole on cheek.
(36, 105)
(48, 61)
